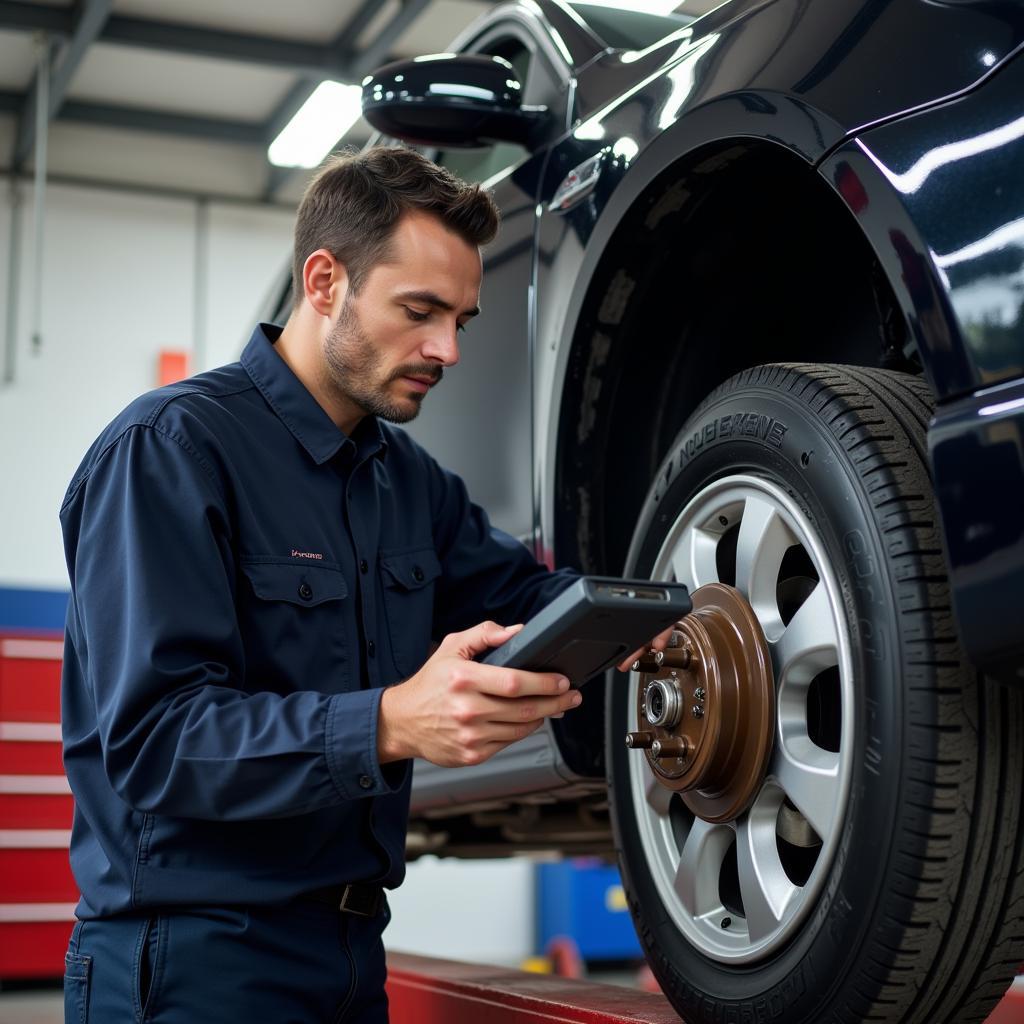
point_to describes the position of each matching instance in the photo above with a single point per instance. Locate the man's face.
(391, 342)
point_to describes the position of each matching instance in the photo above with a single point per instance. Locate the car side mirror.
(461, 101)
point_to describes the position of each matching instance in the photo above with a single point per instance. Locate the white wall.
(119, 285)
(481, 911)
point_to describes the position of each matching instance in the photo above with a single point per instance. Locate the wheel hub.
(707, 706)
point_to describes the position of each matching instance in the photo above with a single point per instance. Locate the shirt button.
(363, 566)
(305, 591)
(371, 648)
(417, 574)
(365, 781)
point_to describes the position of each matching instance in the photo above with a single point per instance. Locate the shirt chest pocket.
(293, 624)
(408, 578)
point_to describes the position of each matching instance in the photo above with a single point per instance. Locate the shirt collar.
(298, 410)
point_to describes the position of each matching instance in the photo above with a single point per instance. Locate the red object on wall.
(174, 366)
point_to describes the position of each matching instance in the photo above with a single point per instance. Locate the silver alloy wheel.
(689, 857)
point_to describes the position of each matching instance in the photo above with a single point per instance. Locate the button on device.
(363, 566)
(371, 648)
(305, 591)
(365, 781)
(417, 574)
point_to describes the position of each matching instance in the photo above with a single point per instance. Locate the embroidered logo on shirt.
(305, 554)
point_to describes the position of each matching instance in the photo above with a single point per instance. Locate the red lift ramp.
(423, 990)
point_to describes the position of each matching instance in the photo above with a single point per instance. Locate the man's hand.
(455, 711)
(659, 643)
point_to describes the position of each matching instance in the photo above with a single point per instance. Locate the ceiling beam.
(313, 59)
(90, 17)
(357, 64)
(163, 122)
(249, 133)
(283, 54)
(58, 21)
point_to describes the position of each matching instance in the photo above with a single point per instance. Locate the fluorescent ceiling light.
(640, 6)
(320, 122)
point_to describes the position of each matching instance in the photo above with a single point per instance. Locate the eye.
(416, 315)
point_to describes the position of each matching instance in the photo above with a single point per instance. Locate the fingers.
(526, 709)
(659, 643)
(624, 666)
(480, 638)
(515, 682)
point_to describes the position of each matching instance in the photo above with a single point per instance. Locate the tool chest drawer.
(36, 870)
(30, 679)
(30, 748)
(37, 890)
(34, 938)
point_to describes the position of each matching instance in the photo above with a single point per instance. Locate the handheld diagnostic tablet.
(593, 625)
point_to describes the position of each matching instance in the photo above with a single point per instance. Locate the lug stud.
(650, 662)
(675, 746)
(639, 740)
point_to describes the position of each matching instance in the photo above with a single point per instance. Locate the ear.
(325, 282)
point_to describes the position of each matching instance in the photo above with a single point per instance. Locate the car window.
(624, 29)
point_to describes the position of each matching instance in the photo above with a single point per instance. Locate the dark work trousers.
(305, 963)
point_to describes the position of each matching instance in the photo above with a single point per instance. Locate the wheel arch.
(741, 248)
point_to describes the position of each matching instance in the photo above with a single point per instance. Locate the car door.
(479, 424)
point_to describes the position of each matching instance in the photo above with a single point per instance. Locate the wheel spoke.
(763, 540)
(809, 776)
(766, 890)
(809, 643)
(700, 865)
(693, 560)
(658, 797)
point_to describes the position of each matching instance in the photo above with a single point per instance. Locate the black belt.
(355, 898)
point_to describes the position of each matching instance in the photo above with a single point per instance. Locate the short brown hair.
(352, 205)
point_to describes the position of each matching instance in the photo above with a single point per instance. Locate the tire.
(901, 896)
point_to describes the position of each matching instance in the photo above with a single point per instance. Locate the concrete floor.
(36, 1005)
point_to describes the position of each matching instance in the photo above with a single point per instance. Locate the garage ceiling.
(185, 95)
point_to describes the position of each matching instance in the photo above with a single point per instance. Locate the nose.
(442, 345)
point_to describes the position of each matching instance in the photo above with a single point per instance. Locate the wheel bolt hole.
(726, 921)
(723, 520)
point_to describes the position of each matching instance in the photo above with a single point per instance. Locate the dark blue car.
(755, 322)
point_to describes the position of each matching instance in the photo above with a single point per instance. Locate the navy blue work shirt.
(245, 578)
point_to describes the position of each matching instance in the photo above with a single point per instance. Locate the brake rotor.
(706, 707)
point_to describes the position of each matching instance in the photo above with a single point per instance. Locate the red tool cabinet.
(37, 891)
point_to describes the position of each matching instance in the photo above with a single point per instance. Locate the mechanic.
(258, 567)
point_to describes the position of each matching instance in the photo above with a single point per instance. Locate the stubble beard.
(355, 370)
